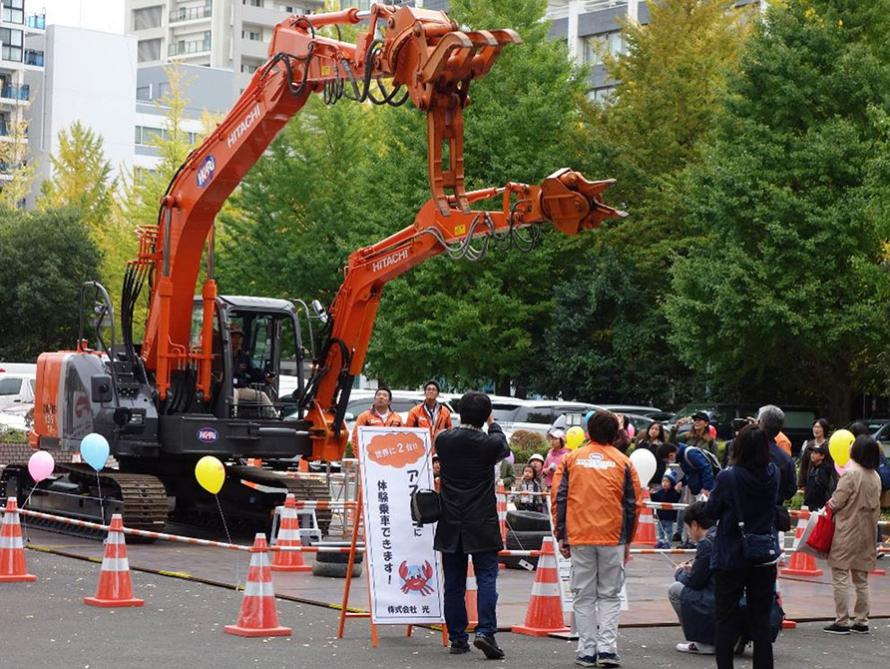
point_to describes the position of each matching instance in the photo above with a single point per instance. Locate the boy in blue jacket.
(666, 518)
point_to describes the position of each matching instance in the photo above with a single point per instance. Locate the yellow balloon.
(839, 447)
(211, 474)
(574, 438)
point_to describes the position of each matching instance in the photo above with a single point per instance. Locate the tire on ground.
(336, 558)
(335, 569)
(528, 521)
(523, 541)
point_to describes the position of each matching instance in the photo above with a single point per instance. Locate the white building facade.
(19, 56)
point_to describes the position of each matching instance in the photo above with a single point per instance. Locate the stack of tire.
(333, 565)
(525, 532)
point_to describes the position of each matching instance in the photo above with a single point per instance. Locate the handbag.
(821, 537)
(760, 549)
(426, 506)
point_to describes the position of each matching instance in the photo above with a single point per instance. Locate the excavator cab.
(258, 358)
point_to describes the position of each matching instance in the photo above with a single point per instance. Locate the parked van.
(16, 389)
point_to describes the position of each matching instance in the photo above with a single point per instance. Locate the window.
(14, 11)
(146, 136)
(143, 92)
(10, 386)
(252, 35)
(248, 68)
(147, 17)
(252, 3)
(12, 44)
(597, 46)
(149, 49)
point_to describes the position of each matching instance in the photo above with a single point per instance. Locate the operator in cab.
(245, 375)
(431, 414)
(379, 415)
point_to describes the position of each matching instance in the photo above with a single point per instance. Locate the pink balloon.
(41, 465)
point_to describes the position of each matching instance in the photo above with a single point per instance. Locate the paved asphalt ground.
(46, 625)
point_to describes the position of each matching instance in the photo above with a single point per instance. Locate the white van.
(16, 389)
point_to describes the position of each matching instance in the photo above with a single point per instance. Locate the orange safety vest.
(374, 419)
(436, 421)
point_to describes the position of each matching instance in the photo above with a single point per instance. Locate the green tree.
(786, 298)
(607, 343)
(476, 323)
(302, 209)
(45, 256)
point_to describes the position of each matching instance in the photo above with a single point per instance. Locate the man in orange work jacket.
(431, 413)
(379, 415)
(596, 505)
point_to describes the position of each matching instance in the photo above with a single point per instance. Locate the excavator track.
(142, 499)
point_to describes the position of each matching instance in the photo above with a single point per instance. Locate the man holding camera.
(469, 521)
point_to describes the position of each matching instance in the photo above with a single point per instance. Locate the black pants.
(758, 584)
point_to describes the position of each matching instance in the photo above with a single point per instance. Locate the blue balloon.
(94, 450)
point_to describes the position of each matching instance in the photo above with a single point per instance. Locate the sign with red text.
(404, 572)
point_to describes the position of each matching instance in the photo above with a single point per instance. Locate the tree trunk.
(502, 387)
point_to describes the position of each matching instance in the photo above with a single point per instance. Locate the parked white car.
(16, 389)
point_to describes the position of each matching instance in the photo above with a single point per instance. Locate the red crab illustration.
(415, 578)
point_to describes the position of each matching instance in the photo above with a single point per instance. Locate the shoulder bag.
(760, 549)
(426, 504)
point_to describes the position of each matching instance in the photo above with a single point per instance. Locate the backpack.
(710, 457)
(884, 473)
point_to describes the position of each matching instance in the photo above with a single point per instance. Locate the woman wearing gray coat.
(857, 507)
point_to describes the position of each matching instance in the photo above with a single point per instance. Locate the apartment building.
(224, 34)
(18, 56)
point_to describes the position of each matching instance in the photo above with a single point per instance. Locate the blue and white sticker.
(207, 435)
(205, 172)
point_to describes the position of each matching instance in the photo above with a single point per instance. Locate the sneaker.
(489, 646)
(586, 661)
(459, 647)
(860, 628)
(608, 660)
(834, 628)
(696, 648)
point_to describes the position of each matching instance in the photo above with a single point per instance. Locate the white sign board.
(404, 572)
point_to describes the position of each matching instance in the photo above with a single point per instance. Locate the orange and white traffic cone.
(471, 598)
(544, 614)
(645, 536)
(12, 548)
(115, 587)
(501, 496)
(787, 623)
(258, 616)
(289, 535)
(801, 564)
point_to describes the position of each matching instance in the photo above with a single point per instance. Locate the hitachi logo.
(244, 126)
(389, 260)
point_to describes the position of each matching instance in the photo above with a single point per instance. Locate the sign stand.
(344, 606)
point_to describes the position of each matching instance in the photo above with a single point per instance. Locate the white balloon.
(645, 464)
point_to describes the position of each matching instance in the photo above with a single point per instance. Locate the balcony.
(8, 131)
(189, 48)
(33, 57)
(17, 93)
(36, 22)
(190, 14)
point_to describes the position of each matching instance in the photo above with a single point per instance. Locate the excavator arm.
(420, 52)
(405, 53)
(565, 198)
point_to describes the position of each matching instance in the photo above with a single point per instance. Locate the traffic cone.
(645, 536)
(258, 616)
(502, 515)
(12, 548)
(470, 598)
(115, 587)
(787, 623)
(289, 535)
(303, 464)
(544, 614)
(801, 564)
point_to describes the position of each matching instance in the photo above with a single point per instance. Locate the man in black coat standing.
(469, 521)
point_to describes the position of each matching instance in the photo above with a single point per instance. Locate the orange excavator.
(205, 380)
